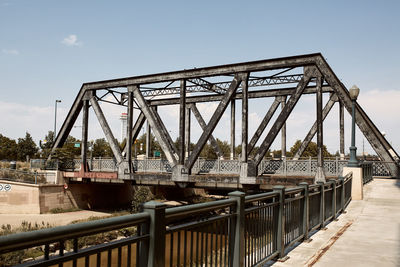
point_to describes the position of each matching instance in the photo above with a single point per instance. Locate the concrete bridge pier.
(248, 172)
(180, 173)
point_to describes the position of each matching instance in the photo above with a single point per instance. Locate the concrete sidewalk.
(367, 235)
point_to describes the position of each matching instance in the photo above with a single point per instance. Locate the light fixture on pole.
(55, 119)
(353, 162)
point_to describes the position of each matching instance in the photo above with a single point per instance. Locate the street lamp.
(55, 119)
(354, 91)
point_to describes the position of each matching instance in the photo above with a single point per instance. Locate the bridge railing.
(285, 166)
(238, 231)
(367, 171)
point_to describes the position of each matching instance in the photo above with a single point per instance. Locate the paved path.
(65, 218)
(367, 235)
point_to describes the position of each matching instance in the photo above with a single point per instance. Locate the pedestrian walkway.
(367, 235)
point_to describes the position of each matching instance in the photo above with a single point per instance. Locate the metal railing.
(285, 166)
(238, 231)
(367, 171)
(25, 176)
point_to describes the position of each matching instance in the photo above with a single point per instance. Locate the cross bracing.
(285, 79)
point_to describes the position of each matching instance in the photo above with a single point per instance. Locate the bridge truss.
(284, 79)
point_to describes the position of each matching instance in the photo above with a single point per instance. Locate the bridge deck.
(368, 235)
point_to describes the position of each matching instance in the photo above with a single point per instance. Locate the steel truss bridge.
(283, 79)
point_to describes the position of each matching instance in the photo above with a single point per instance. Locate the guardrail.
(24, 176)
(238, 231)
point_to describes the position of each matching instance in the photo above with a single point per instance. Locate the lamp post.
(55, 119)
(353, 162)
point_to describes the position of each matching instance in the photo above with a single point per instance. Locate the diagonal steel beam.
(262, 126)
(69, 121)
(214, 120)
(106, 129)
(158, 127)
(310, 135)
(136, 129)
(367, 127)
(203, 126)
(266, 144)
(164, 129)
(128, 140)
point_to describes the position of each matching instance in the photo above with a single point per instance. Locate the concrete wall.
(21, 198)
(25, 198)
(54, 196)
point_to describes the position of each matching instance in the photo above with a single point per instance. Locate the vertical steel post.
(342, 195)
(187, 132)
(85, 119)
(305, 209)
(237, 252)
(245, 118)
(156, 210)
(320, 175)
(341, 125)
(233, 113)
(322, 204)
(128, 139)
(182, 120)
(148, 139)
(281, 221)
(283, 130)
(333, 182)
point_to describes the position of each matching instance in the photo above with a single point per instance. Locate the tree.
(154, 145)
(8, 149)
(310, 151)
(26, 147)
(46, 144)
(101, 148)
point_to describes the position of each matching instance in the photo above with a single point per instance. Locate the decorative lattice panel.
(229, 166)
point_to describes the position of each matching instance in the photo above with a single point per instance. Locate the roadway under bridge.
(283, 79)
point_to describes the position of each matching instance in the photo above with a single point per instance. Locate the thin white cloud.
(71, 40)
(10, 52)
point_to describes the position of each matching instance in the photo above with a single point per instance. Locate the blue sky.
(49, 48)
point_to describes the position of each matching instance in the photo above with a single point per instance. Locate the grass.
(61, 210)
(17, 257)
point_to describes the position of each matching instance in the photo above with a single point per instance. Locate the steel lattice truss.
(285, 79)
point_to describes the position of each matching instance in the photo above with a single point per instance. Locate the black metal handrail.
(247, 230)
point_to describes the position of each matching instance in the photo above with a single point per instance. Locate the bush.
(141, 195)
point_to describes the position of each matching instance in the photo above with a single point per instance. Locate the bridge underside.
(283, 79)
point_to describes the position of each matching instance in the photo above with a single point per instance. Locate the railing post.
(237, 253)
(156, 254)
(337, 166)
(284, 166)
(322, 204)
(333, 182)
(281, 221)
(306, 212)
(342, 195)
(309, 166)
